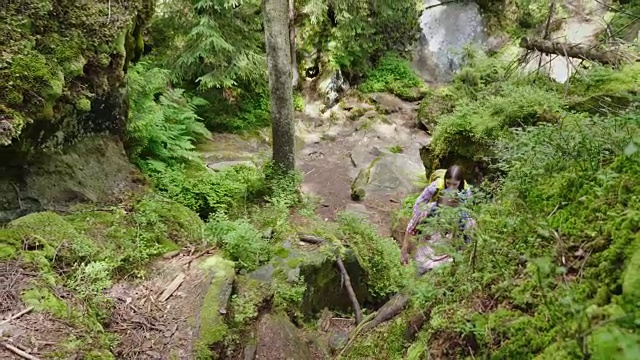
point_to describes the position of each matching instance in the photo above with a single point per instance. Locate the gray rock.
(226, 164)
(389, 173)
(278, 338)
(331, 86)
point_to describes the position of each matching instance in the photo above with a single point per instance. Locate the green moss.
(212, 327)
(250, 295)
(183, 224)
(631, 278)
(44, 300)
(612, 342)
(387, 341)
(50, 234)
(15, 123)
(394, 75)
(83, 105)
(44, 48)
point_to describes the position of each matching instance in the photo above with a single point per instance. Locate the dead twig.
(198, 255)
(352, 294)
(19, 352)
(23, 312)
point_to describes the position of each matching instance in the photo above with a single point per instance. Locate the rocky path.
(372, 139)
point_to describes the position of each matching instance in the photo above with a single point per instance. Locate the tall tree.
(276, 28)
(292, 43)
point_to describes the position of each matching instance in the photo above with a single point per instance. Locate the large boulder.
(389, 173)
(446, 30)
(95, 169)
(64, 81)
(331, 85)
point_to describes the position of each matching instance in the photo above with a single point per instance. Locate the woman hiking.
(452, 180)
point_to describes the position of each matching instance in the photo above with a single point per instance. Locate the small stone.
(338, 340)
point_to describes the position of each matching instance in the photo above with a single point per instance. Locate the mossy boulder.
(388, 173)
(51, 59)
(210, 319)
(49, 235)
(95, 169)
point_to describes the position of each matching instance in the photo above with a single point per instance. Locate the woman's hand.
(404, 256)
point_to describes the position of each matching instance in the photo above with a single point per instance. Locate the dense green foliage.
(552, 271)
(393, 75)
(353, 34)
(486, 100)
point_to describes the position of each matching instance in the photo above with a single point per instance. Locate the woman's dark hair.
(455, 172)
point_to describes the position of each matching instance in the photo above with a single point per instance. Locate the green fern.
(165, 129)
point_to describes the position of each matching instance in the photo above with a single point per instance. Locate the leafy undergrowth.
(553, 270)
(487, 98)
(394, 75)
(75, 257)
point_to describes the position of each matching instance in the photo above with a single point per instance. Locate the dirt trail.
(336, 145)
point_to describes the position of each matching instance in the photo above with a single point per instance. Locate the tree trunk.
(578, 51)
(276, 28)
(292, 42)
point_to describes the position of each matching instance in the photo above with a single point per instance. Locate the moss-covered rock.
(210, 320)
(50, 236)
(52, 58)
(95, 169)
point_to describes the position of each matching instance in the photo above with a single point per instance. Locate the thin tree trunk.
(276, 28)
(292, 42)
(578, 51)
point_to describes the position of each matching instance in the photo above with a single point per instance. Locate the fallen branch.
(578, 51)
(311, 239)
(388, 311)
(23, 312)
(441, 3)
(19, 352)
(352, 294)
(198, 255)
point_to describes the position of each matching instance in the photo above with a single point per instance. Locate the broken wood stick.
(311, 239)
(19, 352)
(578, 51)
(388, 311)
(352, 294)
(23, 312)
(172, 287)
